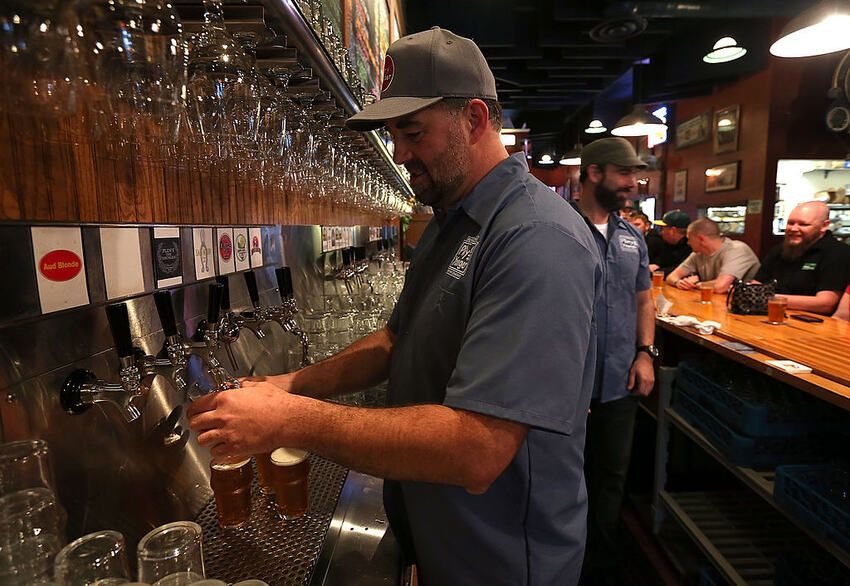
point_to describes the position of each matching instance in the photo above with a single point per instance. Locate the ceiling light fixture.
(573, 157)
(595, 127)
(819, 30)
(545, 160)
(638, 122)
(725, 50)
(508, 139)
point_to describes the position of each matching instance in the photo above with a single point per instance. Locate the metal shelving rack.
(740, 533)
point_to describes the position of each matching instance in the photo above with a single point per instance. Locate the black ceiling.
(559, 63)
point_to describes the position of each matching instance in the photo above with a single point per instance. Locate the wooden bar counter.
(824, 347)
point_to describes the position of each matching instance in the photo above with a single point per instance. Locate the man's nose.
(401, 154)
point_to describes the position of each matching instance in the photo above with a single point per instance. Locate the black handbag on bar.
(749, 298)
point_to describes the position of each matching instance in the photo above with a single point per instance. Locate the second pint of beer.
(289, 471)
(264, 474)
(231, 484)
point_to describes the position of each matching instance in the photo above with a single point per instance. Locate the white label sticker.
(255, 243)
(122, 261)
(460, 262)
(203, 249)
(240, 249)
(60, 268)
(224, 237)
(628, 243)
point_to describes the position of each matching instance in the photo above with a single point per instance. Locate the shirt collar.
(487, 196)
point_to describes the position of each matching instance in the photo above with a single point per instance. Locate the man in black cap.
(674, 248)
(625, 370)
(489, 377)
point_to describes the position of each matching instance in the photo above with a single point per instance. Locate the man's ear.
(478, 117)
(595, 173)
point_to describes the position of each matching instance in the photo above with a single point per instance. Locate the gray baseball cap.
(614, 150)
(423, 68)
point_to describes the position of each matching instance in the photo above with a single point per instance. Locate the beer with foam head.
(231, 483)
(289, 471)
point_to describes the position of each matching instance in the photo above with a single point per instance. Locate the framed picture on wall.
(726, 123)
(693, 130)
(722, 177)
(680, 186)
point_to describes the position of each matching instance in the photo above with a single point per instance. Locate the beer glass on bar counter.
(231, 481)
(264, 471)
(657, 279)
(776, 309)
(706, 291)
(290, 470)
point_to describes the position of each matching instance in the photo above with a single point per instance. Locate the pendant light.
(638, 122)
(546, 159)
(819, 30)
(725, 49)
(595, 127)
(572, 157)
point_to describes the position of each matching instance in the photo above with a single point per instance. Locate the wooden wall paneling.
(86, 179)
(30, 172)
(61, 178)
(10, 203)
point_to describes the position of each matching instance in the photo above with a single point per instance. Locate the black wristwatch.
(651, 350)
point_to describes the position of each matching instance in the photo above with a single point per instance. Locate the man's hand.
(641, 375)
(688, 283)
(252, 420)
(653, 268)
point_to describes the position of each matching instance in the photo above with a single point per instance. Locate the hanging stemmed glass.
(139, 58)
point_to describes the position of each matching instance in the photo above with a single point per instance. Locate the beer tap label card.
(224, 239)
(60, 268)
(255, 241)
(240, 249)
(202, 250)
(121, 250)
(167, 259)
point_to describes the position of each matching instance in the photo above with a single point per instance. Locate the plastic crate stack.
(753, 420)
(819, 496)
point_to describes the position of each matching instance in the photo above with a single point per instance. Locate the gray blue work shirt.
(626, 273)
(496, 317)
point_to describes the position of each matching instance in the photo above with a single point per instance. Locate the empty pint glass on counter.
(290, 469)
(172, 554)
(231, 481)
(776, 309)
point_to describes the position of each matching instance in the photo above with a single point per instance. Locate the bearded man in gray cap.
(625, 348)
(489, 377)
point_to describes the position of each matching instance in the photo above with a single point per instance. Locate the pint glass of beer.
(706, 290)
(264, 472)
(657, 279)
(776, 309)
(231, 483)
(289, 472)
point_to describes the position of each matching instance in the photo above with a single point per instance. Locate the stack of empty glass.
(32, 523)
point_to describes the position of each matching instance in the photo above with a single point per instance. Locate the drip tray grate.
(282, 553)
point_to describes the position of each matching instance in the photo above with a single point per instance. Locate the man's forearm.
(363, 364)
(645, 319)
(824, 302)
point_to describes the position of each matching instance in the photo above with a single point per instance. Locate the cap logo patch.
(389, 72)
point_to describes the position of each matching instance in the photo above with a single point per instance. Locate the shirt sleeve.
(528, 353)
(738, 261)
(689, 265)
(833, 274)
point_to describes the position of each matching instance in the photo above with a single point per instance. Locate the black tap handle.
(225, 292)
(284, 282)
(214, 307)
(253, 292)
(119, 325)
(346, 256)
(361, 253)
(166, 312)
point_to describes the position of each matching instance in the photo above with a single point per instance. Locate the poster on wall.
(368, 39)
(332, 10)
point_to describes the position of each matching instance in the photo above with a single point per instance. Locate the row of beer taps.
(221, 328)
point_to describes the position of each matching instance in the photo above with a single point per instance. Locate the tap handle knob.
(253, 292)
(166, 312)
(119, 325)
(214, 306)
(225, 292)
(284, 282)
